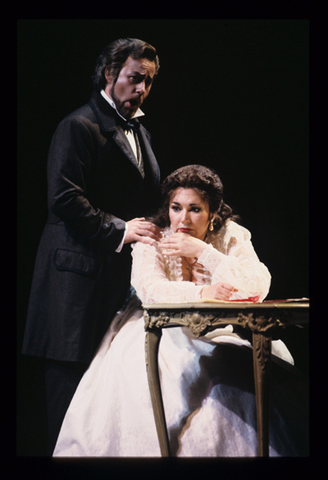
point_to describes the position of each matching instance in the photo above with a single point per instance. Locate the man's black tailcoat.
(94, 186)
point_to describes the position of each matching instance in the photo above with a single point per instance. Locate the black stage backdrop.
(231, 94)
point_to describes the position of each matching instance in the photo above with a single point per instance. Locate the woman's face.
(189, 213)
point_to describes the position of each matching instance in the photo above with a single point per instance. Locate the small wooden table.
(261, 318)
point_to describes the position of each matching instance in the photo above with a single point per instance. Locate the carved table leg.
(152, 344)
(262, 364)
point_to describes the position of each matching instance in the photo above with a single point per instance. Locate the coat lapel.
(148, 154)
(122, 142)
(107, 122)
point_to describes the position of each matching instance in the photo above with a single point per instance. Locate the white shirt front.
(130, 137)
(128, 132)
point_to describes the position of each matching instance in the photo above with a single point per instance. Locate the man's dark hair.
(115, 55)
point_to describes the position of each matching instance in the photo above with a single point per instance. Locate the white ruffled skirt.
(208, 394)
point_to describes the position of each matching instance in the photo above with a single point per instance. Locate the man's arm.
(70, 161)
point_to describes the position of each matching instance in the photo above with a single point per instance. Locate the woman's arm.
(230, 259)
(238, 270)
(150, 281)
(238, 265)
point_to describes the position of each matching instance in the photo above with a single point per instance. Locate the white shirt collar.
(138, 113)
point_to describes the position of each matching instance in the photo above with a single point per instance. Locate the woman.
(207, 382)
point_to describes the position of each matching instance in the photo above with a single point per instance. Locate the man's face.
(132, 86)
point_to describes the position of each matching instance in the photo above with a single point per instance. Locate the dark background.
(231, 94)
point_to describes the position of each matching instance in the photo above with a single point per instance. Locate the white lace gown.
(207, 383)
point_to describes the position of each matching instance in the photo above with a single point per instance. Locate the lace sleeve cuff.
(211, 258)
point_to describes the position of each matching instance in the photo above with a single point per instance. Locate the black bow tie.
(132, 124)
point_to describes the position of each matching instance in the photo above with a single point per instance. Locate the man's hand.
(139, 230)
(218, 291)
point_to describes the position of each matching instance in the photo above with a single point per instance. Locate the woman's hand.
(139, 230)
(218, 291)
(182, 244)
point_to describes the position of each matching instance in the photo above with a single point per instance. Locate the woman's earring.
(211, 227)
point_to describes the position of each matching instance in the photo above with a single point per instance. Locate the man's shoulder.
(87, 110)
(84, 111)
(95, 111)
(81, 118)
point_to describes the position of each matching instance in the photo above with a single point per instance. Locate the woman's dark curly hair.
(206, 182)
(115, 55)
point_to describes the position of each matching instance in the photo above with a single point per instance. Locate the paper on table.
(288, 300)
(246, 300)
(254, 299)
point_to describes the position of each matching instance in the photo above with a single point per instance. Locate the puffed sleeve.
(151, 282)
(229, 258)
(232, 259)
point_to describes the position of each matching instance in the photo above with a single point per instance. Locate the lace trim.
(229, 257)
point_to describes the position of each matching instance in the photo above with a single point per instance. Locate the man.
(103, 179)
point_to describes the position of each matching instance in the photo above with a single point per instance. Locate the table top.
(302, 303)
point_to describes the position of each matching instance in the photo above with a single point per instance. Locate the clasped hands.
(182, 244)
(187, 246)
